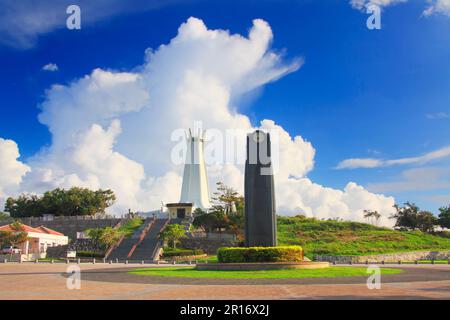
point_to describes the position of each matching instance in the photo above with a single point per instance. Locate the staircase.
(125, 247)
(147, 249)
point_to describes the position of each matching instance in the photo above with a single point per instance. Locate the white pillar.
(195, 187)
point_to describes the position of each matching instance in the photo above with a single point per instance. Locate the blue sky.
(379, 94)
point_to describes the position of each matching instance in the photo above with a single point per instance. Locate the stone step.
(148, 246)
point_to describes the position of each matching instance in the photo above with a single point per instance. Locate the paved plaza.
(111, 281)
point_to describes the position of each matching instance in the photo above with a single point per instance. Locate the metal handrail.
(159, 245)
(159, 242)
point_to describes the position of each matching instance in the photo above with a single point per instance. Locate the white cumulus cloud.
(11, 169)
(51, 67)
(361, 4)
(433, 6)
(112, 129)
(438, 6)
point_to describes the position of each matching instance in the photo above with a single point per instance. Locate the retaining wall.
(388, 257)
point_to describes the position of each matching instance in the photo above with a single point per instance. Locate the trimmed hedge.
(89, 254)
(260, 254)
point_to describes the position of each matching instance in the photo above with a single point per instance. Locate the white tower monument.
(195, 187)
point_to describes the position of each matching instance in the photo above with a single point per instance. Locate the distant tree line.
(60, 202)
(410, 217)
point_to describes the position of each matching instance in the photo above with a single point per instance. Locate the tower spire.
(195, 187)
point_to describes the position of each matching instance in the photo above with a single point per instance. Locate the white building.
(39, 239)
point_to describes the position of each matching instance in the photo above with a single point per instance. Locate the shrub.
(260, 254)
(173, 233)
(89, 254)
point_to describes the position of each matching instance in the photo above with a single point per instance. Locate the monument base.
(254, 266)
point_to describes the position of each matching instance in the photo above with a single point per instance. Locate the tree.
(173, 233)
(226, 199)
(426, 221)
(59, 202)
(444, 217)
(104, 237)
(204, 220)
(110, 236)
(95, 235)
(409, 217)
(4, 216)
(24, 206)
(213, 220)
(227, 212)
(372, 216)
(15, 237)
(237, 223)
(406, 216)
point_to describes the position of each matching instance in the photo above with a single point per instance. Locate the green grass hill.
(319, 237)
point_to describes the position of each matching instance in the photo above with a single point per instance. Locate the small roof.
(25, 228)
(49, 231)
(172, 205)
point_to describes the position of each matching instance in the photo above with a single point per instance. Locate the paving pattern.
(105, 281)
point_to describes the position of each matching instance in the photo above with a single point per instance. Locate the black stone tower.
(260, 219)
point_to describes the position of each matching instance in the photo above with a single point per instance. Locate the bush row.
(89, 254)
(260, 254)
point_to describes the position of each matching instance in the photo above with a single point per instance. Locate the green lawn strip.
(130, 226)
(191, 272)
(424, 262)
(208, 259)
(50, 259)
(212, 258)
(435, 261)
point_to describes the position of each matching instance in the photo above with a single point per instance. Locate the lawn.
(352, 238)
(435, 261)
(191, 272)
(130, 226)
(212, 258)
(50, 259)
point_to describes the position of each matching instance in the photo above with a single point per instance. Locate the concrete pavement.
(111, 281)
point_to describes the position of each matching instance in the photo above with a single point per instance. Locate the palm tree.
(372, 216)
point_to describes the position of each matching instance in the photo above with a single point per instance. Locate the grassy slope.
(130, 226)
(352, 238)
(190, 272)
